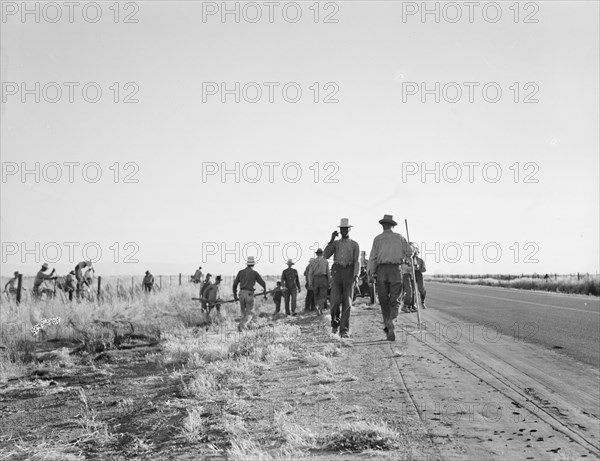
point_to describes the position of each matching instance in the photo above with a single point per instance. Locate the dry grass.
(584, 284)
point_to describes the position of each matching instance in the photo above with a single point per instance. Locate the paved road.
(570, 324)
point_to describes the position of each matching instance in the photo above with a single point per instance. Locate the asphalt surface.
(567, 324)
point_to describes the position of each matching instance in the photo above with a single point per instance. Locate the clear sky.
(374, 141)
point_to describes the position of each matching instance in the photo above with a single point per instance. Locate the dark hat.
(209, 275)
(200, 267)
(290, 262)
(72, 272)
(218, 279)
(16, 273)
(388, 219)
(45, 266)
(319, 251)
(147, 272)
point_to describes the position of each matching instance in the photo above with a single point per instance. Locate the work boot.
(405, 309)
(390, 333)
(423, 306)
(334, 330)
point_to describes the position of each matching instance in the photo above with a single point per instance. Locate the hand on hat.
(334, 235)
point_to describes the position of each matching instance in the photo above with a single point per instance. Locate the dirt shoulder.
(292, 390)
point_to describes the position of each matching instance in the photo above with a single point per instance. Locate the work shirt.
(289, 278)
(79, 269)
(319, 266)
(420, 265)
(40, 278)
(198, 275)
(212, 293)
(89, 274)
(149, 279)
(246, 278)
(277, 294)
(346, 253)
(388, 248)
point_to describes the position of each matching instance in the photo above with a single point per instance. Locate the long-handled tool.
(416, 293)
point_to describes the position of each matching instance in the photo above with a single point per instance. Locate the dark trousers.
(147, 287)
(422, 292)
(277, 305)
(320, 286)
(309, 302)
(290, 293)
(389, 287)
(407, 298)
(341, 296)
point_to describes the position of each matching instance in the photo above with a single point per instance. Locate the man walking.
(277, 294)
(290, 280)
(212, 295)
(148, 282)
(387, 254)
(246, 279)
(420, 268)
(346, 266)
(207, 282)
(40, 280)
(318, 280)
(309, 301)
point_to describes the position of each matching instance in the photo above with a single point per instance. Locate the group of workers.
(390, 268)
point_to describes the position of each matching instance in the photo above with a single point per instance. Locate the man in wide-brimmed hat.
(40, 279)
(318, 279)
(246, 279)
(291, 283)
(389, 251)
(148, 282)
(345, 270)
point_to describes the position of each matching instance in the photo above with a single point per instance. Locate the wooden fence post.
(132, 288)
(99, 284)
(19, 287)
(160, 282)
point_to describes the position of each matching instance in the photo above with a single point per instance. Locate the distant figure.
(318, 280)
(546, 277)
(309, 302)
(10, 287)
(277, 294)
(212, 295)
(81, 283)
(204, 286)
(290, 280)
(197, 277)
(419, 270)
(148, 282)
(70, 284)
(39, 284)
(89, 276)
(246, 279)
